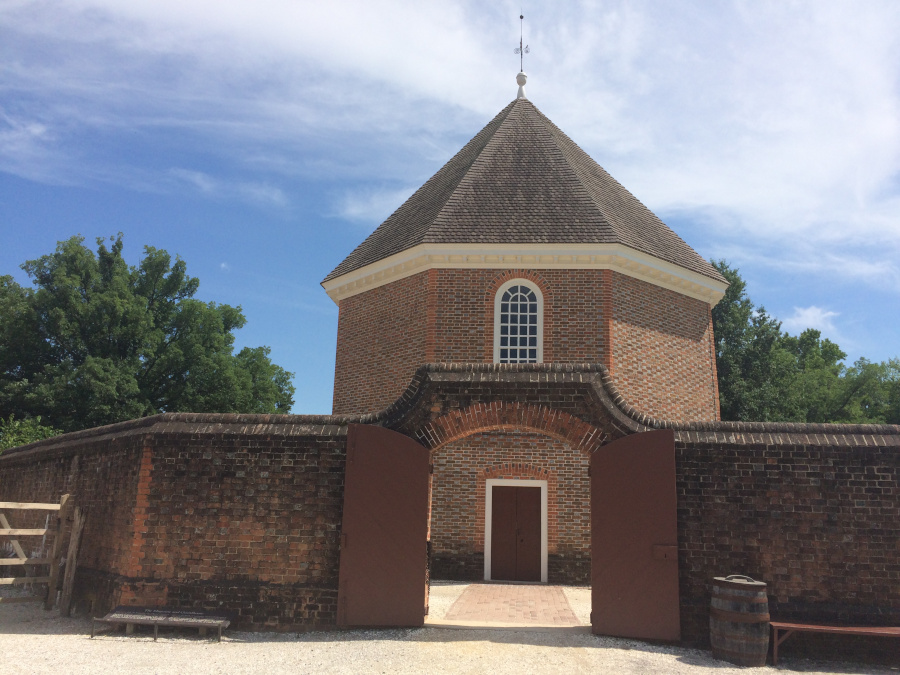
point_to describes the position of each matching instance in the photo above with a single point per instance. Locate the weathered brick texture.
(818, 521)
(663, 358)
(102, 476)
(657, 343)
(202, 511)
(381, 341)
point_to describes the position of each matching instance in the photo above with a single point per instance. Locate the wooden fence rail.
(64, 509)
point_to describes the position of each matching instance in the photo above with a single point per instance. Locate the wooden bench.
(162, 616)
(791, 628)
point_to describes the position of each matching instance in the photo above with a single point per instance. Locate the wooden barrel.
(739, 620)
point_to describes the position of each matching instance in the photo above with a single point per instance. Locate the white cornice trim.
(527, 256)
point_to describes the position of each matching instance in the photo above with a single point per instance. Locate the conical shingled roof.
(521, 180)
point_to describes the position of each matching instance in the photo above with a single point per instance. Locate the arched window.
(518, 323)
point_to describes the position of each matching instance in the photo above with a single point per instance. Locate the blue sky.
(261, 141)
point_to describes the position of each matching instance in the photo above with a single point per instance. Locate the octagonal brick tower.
(523, 249)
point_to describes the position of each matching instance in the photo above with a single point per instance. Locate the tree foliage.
(97, 341)
(767, 375)
(15, 432)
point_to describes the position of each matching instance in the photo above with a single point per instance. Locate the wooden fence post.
(65, 505)
(65, 602)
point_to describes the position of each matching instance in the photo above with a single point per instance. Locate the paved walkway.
(513, 603)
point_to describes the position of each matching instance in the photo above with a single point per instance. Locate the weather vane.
(520, 50)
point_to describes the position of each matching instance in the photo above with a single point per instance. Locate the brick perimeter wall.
(461, 470)
(663, 359)
(246, 523)
(820, 524)
(102, 477)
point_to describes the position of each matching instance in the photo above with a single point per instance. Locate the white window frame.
(489, 510)
(540, 316)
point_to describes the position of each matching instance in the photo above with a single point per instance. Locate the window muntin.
(518, 324)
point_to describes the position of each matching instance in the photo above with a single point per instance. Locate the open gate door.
(634, 538)
(381, 581)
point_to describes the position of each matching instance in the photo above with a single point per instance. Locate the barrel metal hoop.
(737, 617)
(749, 599)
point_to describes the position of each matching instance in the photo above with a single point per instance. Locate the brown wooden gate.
(383, 533)
(634, 538)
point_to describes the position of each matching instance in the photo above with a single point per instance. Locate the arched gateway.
(634, 569)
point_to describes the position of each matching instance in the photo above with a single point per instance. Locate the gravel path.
(35, 641)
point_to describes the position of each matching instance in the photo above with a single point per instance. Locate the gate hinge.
(591, 619)
(589, 469)
(431, 468)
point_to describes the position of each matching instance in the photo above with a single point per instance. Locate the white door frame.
(488, 513)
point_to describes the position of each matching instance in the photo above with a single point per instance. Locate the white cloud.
(815, 317)
(203, 182)
(225, 267)
(371, 206)
(262, 193)
(766, 121)
(259, 193)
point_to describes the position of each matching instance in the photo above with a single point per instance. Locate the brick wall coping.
(428, 377)
(598, 378)
(191, 423)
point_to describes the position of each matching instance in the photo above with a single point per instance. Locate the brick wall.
(382, 337)
(101, 475)
(816, 518)
(661, 357)
(246, 516)
(201, 511)
(461, 469)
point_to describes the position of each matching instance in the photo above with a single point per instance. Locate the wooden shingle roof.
(521, 180)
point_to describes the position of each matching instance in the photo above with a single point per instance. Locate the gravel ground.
(35, 641)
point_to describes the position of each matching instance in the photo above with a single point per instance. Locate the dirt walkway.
(35, 641)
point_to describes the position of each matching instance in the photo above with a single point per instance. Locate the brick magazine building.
(519, 317)
(522, 249)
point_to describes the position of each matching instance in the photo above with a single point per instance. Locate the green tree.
(15, 432)
(97, 341)
(754, 368)
(768, 375)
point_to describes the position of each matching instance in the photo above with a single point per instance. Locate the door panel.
(382, 574)
(633, 519)
(503, 532)
(528, 542)
(515, 533)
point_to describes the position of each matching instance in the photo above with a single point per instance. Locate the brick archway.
(457, 424)
(511, 442)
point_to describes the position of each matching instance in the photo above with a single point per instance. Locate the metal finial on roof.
(521, 78)
(520, 50)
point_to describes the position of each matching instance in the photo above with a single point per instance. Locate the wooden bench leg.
(202, 631)
(776, 641)
(129, 629)
(155, 631)
(774, 646)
